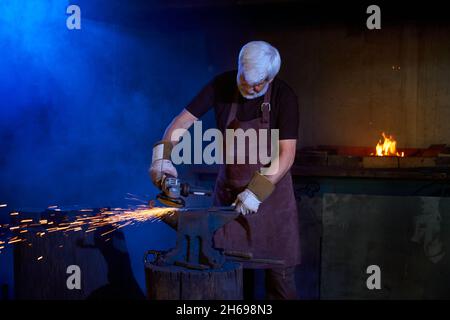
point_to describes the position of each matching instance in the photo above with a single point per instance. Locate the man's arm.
(286, 159)
(182, 121)
(161, 158)
(261, 186)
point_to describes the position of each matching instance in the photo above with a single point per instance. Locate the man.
(251, 98)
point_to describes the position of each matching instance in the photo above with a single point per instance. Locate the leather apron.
(272, 232)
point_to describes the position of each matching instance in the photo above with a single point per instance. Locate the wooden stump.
(177, 283)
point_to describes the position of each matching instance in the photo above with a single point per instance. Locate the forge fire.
(387, 147)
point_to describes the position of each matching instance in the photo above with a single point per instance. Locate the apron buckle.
(265, 104)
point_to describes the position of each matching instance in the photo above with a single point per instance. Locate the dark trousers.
(279, 283)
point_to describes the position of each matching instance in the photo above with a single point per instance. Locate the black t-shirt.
(222, 91)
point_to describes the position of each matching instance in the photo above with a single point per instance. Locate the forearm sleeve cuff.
(162, 150)
(261, 186)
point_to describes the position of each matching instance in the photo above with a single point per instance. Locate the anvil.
(195, 230)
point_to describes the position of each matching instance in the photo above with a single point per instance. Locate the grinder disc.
(170, 202)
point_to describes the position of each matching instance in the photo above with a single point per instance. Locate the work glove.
(258, 190)
(161, 163)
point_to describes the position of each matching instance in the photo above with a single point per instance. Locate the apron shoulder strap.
(231, 114)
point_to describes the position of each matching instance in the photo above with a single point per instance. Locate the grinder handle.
(186, 190)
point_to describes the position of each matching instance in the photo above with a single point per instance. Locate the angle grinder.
(172, 191)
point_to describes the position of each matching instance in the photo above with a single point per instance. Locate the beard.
(252, 95)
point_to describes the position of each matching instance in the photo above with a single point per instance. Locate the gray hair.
(258, 60)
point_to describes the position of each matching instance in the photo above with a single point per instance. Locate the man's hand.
(161, 164)
(247, 202)
(159, 168)
(257, 191)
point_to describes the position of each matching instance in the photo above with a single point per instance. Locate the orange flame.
(388, 147)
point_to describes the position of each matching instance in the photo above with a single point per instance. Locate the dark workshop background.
(80, 110)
